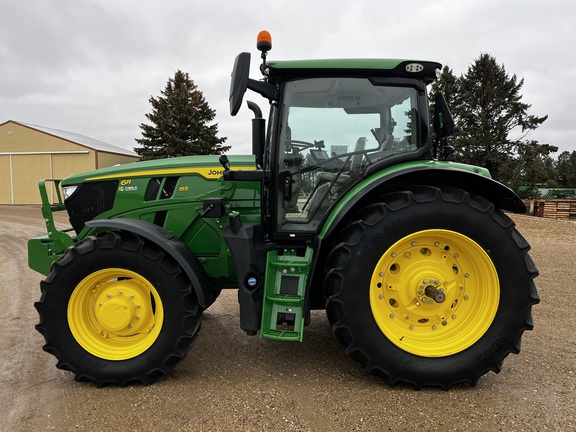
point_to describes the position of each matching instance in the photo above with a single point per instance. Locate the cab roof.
(424, 70)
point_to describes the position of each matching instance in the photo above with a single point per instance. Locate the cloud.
(91, 66)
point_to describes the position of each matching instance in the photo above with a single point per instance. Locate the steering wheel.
(296, 146)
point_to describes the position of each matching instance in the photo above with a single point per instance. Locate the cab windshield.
(331, 130)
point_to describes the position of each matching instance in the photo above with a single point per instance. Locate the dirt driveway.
(232, 382)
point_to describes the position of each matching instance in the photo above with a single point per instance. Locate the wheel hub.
(122, 307)
(436, 293)
(116, 314)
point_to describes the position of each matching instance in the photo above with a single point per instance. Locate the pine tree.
(487, 107)
(490, 109)
(566, 168)
(533, 167)
(180, 120)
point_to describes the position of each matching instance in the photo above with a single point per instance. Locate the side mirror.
(443, 120)
(239, 81)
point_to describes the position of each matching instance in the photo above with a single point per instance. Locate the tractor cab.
(331, 123)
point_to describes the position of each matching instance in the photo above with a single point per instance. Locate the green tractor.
(346, 205)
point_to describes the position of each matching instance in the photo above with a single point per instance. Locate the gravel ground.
(231, 382)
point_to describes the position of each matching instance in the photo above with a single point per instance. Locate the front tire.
(430, 287)
(117, 310)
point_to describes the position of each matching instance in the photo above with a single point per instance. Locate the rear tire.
(430, 287)
(117, 310)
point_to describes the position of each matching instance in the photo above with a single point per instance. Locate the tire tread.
(374, 214)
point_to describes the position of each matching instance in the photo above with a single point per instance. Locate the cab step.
(284, 292)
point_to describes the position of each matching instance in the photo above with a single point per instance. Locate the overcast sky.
(90, 66)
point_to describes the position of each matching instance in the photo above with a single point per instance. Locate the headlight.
(68, 191)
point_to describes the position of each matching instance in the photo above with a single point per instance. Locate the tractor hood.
(205, 166)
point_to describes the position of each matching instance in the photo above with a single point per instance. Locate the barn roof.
(82, 140)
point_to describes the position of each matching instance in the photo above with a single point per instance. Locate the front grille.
(90, 200)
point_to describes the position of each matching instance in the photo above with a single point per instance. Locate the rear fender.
(172, 245)
(470, 179)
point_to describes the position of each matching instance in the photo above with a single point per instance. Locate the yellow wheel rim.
(115, 314)
(434, 293)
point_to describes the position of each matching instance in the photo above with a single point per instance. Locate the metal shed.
(29, 153)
